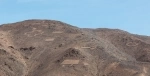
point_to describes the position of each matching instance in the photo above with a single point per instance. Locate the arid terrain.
(54, 48)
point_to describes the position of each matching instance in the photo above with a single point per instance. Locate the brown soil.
(54, 48)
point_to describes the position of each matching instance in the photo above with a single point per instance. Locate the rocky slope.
(54, 48)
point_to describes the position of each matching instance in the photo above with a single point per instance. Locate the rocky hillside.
(54, 48)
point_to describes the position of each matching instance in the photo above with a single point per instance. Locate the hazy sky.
(130, 15)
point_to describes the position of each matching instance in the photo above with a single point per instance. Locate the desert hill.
(54, 48)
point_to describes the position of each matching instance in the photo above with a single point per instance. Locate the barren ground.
(54, 48)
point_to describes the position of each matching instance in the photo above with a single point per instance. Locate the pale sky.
(129, 15)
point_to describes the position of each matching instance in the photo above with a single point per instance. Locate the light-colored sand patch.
(145, 69)
(70, 62)
(85, 63)
(34, 28)
(34, 32)
(131, 44)
(113, 65)
(49, 39)
(142, 75)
